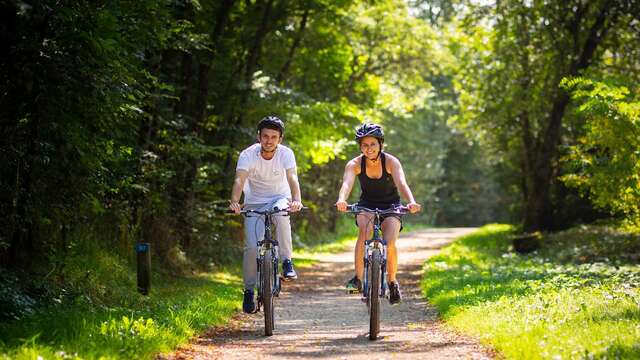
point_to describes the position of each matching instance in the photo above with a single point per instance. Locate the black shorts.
(382, 217)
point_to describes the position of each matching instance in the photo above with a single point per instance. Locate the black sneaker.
(287, 270)
(354, 285)
(248, 302)
(395, 297)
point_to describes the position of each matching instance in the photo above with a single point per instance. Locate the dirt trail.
(315, 318)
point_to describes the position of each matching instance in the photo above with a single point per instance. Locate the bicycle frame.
(376, 242)
(268, 244)
(267, 262)
(375, 266)
(269, 283)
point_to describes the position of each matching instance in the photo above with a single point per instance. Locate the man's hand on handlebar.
(235, 207)
(295, 206)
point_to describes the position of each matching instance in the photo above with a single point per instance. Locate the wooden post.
(143, 253)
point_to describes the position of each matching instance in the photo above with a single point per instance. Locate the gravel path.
(316, 319)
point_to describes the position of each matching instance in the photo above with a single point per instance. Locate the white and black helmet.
(365, 130)
(271, 122)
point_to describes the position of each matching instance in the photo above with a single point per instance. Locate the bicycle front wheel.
(374, 293)
(266, 278)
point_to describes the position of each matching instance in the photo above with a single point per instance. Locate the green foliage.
(103, 316)
(606, 160)
(473, 190)
(512, 57)
(576, 298)
(133, 116)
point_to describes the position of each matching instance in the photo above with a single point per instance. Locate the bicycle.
(269, 282)
(374, 284)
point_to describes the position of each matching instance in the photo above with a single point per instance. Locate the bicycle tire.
(374, 294)
(267, 293)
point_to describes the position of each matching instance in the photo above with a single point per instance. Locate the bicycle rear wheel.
(266, 278)
(374, 294)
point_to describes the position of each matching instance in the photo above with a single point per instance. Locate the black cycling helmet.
(271, 122)
(370, 130)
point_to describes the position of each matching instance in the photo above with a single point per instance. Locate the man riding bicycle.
(381, 176)
(266, 173)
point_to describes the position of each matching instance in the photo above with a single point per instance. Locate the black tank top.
(377, 193)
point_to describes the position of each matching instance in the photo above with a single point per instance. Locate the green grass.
(576, 298)
(93, 311)
(134, 326)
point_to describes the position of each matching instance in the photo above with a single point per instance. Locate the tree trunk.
(296, 42)
(538, 209)
(23, 237)
(253, 58)
(204, 67)
(235, 115)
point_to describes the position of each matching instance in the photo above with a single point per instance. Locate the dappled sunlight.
(223, 277)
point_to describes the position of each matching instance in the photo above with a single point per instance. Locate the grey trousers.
(254, 231)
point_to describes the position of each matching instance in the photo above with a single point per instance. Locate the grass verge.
(137, 327)
(576, 298)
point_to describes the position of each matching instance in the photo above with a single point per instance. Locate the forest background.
(121, 121)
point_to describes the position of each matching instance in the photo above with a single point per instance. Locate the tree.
(606, 160)
(72, 78)
(512, 67)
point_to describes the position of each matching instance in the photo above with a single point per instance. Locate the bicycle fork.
(369, 246)
(260, 263)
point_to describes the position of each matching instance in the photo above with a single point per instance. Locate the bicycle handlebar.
(275, 210)
(355, 209)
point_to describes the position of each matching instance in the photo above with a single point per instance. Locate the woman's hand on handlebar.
(414, 207)
(341, 206)
(235, 207)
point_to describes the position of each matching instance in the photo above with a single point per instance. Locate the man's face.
(269, 139)
(370, 147)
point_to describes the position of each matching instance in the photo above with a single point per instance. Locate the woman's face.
(370, 147)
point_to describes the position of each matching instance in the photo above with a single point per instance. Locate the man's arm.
(348, 179)
(294, 185)
(401, 183)
(236, 191)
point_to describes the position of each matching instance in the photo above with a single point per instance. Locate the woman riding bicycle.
(381, 176)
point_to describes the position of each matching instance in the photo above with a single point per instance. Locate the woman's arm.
(347, 184)
(401, 183)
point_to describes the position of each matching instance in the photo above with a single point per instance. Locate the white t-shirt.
(267, 179)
